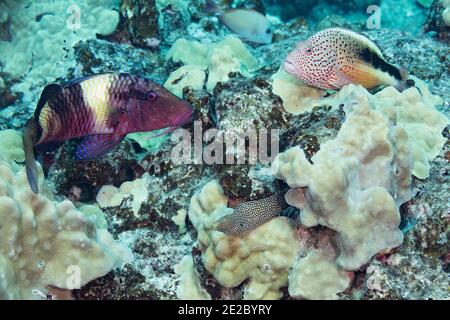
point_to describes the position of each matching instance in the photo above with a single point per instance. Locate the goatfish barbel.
(102, 109)
(333, 58)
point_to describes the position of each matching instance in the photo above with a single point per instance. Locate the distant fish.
(333, 58)
(102, 109)
(249, 24)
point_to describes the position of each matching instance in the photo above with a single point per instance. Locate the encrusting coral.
(353, 185)
(356, 182)
(413, 109)
(297, 97)
(47, 243)
(189, 287)
(316, 276)
(110, 196)
(220, 59)
(44, 33)
(263, 256)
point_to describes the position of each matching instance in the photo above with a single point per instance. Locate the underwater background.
(365, 172)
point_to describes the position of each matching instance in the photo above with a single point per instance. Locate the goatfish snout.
(101, 109)
(333, 58)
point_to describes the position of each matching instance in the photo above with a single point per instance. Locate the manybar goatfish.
(333, 58)
(102, 109)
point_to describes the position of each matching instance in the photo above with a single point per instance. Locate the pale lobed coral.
(180, 220)
(297, 96)
(181, 6)
(185, 76)
(446, 12)
(356, 182)
(189, 287)
(316, 276)
(220, 59)
(263, 256)
(111, 196)
(354, 186)
(413, 109)
(47, 243)
(11, 147)
(44, 34)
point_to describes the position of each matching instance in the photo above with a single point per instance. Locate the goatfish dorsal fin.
(50, 91)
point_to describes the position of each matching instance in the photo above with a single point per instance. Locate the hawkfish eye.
(151, 95)
(308, 50)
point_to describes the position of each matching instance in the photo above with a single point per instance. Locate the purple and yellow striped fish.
(102, 109)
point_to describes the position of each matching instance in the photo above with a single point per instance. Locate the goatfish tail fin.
(30, 137)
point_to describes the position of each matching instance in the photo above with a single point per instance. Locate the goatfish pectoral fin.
(30, 137)
(96, 146)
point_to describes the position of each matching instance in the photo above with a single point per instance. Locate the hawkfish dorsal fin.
(96, 146)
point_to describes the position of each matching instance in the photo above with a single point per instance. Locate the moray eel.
(250, 215)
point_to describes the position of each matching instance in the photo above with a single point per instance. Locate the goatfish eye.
(151, 95)
(269, 31)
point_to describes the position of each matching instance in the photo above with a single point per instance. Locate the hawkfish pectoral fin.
(96, 146)
(339, 79)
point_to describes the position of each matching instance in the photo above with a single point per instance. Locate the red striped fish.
(102, 109)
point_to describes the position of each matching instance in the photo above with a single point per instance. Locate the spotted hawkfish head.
(310, 62)
(152, 107)
(297, 60)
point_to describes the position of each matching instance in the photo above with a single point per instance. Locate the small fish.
(249, 24)
(333, 58)
(102, 109)
(250, 215)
